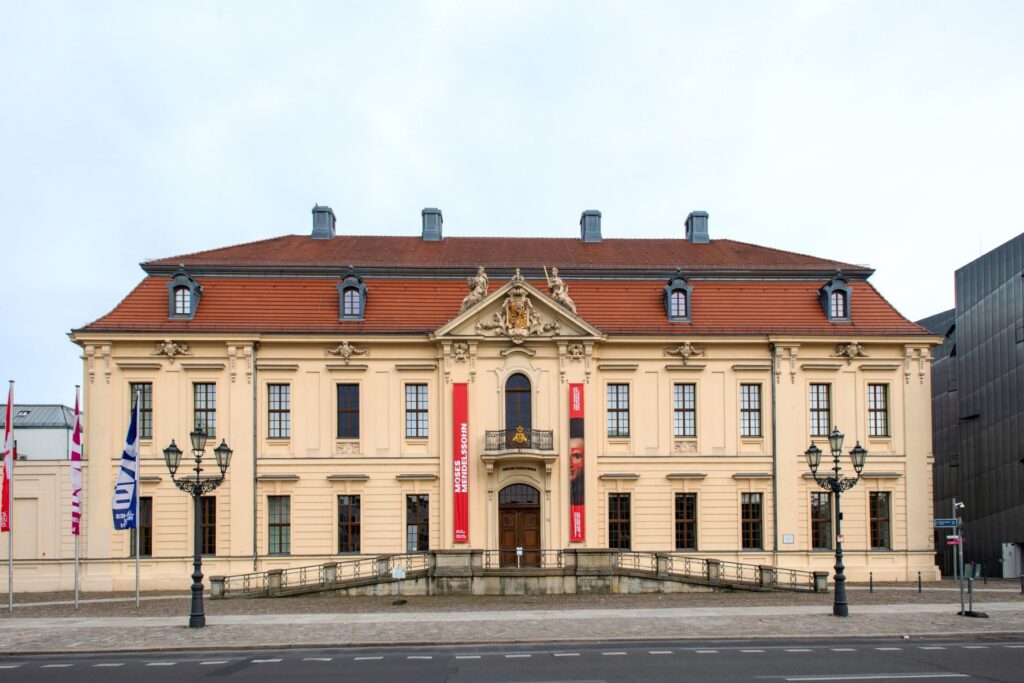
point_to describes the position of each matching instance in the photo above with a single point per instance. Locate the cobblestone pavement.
(160, 624)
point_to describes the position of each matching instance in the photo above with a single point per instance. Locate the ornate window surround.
(182, 280)
(838, 284)
(678, 284)
(352, 281)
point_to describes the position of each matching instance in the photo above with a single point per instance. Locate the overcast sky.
(888, 134)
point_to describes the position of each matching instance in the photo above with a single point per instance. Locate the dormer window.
(835, 299)
(351, 296)
(677, 295)
(184, 295)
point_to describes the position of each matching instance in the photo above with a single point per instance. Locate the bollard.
(919, 582)
(970, 593)
(871, 582)
(1022, 583)
(984, 574)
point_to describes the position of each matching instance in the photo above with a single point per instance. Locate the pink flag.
(5, 490)
(76, 473)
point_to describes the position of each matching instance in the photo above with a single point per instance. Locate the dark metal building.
(978, 410)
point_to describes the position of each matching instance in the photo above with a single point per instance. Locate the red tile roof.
(310, 305)
(302, 252)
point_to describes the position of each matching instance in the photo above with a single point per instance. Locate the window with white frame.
(750, 410)
(684, 410)
(416, 415)
(820, 409)
(618, 410)
(878, 410)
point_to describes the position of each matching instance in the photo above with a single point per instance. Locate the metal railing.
(519, 440)
(688, 566)
(530, 559)
(334, 574)
(736, 572)
(794, 579)
(637, 561)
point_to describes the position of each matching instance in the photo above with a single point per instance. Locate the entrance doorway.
(519, 526)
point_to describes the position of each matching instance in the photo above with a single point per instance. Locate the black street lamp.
(196, 486)
(837, 484)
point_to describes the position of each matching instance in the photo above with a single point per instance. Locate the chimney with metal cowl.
(697, 227)
(432, 220)
(323, 222)
(590, 226)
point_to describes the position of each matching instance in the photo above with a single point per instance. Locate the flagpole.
(80, 506)
(10, 500)
(138, 498)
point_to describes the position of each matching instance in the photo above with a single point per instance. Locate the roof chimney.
(590, 226)
(432, 220)
(323, 222)
(697, 227)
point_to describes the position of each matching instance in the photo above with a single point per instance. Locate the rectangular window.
(145, 392)
(684, 406)
(279, 411)
(821, 521)
(751, 513)
(348, 524)
(878, 410)
(618, 410)
(416, 411)
(880, 529)
(348, 411)
(145, 528)
(208, 525)
(686, 521)
(750, 410)
(820, 409)
(417, 523)
(618, 521)
(279, 527)
(204, 402)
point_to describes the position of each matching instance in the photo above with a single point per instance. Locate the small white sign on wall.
(788, 538)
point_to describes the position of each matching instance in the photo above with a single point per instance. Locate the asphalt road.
(755, 660)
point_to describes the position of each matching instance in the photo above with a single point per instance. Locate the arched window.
(677, 299)
(182, 301)
(835, 299)
(518, 405)
(839, 304)
(183, 295)
(351, 296)
(351, 302)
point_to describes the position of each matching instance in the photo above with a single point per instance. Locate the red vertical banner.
(460, 462)
(577, 516)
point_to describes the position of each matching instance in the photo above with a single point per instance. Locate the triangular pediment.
(518, 312)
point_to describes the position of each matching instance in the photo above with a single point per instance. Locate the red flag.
(460, 462)
(76, 473)
(5, 490)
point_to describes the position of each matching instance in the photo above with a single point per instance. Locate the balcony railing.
(519, 439)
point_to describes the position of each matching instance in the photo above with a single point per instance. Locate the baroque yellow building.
(514, 395)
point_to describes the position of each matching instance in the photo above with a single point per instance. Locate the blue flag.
(126, 489)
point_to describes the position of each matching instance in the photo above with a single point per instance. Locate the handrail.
(519, 440)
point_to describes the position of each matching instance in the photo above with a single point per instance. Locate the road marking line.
(265, 661)
(843, 649)
(419, 657)
(975, 647)
(318, 659)
(613, 654)
(160, 663)
(873, 677)
(55, 666)
(110, 664)
(467, 656)
(566, 654)
(516, 656)
(367, 659)
(215, 661)
(888, 649)
(659, 652)
(9, 666)
(1014, 646)
(751, 651)
(707, 652)
(932, 647)
(799, 649)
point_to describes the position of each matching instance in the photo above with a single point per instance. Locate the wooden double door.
(519, 526)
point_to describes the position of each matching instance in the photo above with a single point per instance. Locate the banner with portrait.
(577, 516)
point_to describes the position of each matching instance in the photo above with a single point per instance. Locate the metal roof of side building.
(39, 416)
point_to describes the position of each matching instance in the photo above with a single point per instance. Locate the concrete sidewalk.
(37, 635)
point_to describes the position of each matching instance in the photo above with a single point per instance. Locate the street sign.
(839, 538)
(398, 573)
(952, 540)
(945, 523)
